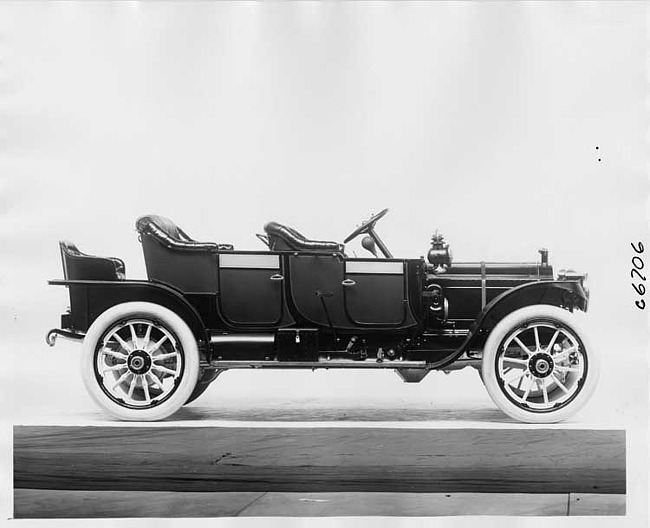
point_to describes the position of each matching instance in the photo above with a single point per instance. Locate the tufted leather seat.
(174, 258)
(284, 238)
(172, 236)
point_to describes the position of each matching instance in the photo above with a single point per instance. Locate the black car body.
(301, 303)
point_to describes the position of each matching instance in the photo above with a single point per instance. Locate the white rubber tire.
(508, 324)
(190, 356)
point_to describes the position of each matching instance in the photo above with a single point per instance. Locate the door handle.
(348, 282)
(276, 277)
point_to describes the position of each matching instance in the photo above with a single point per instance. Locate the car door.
(375, 291)
(251, 288)
(317, 290)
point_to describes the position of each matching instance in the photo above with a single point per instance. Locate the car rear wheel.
(140, 361)
(537, 366)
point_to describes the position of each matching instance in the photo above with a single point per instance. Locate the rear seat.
(173, 257)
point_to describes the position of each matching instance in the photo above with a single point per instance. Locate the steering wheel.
(366, 226)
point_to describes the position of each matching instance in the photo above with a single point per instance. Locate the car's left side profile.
(151, 346)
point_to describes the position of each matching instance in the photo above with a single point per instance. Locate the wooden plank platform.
(320, 460)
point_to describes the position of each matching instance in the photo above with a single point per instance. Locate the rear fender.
(89, 299)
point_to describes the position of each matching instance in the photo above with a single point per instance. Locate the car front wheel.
(537, 366)
(140, 361)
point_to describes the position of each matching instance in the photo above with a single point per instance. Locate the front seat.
(285, 238)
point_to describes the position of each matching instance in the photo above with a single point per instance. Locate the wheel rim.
(542, 366)
(139, 363)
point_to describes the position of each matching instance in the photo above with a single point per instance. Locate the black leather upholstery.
(81, 266)
(172, 236)
(284, 238)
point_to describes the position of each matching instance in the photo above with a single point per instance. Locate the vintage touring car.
(152, 346)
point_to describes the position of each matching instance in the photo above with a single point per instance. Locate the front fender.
(567, 294)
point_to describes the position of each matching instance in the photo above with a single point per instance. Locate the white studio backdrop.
(508, 126)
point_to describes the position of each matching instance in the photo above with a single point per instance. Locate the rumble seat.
(81, 266)
(284, 238)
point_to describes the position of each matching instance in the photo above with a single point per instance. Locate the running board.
(341, 363)
(323, 363)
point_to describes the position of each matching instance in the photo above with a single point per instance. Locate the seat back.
(285, 238)
(173, 257)
(168, 234)
(81, 266)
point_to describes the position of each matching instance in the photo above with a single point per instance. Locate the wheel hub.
(541, 365)
(139, 362)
